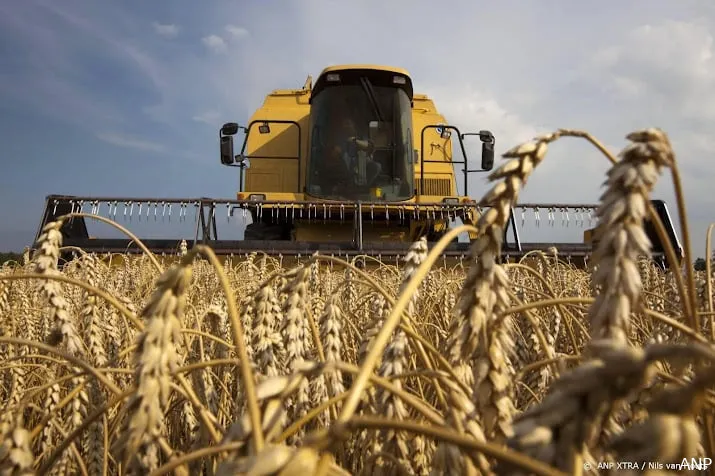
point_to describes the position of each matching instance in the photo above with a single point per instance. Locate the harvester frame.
(291, 204)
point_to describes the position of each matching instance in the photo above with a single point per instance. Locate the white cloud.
(130, 142)
(663, 74)
(237, 31)
(167, 31)
(214, 43)
(670, 64)
(471, 110)
(208, 117)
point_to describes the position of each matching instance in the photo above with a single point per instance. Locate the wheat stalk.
(424, 367)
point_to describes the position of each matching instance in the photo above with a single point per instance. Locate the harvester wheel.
(264, 231)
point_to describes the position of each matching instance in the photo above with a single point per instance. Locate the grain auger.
(355, 164)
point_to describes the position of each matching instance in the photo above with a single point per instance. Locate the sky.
(126, 98)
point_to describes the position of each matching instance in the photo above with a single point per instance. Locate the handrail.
(422, 154)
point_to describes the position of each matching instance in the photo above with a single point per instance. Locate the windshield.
(361, 144)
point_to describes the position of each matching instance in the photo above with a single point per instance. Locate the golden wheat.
(246, 366)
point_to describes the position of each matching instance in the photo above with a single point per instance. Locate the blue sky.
(124, 99)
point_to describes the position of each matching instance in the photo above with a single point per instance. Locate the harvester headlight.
(254, 197)
(452, 200)
(332, 77)
(399, 80)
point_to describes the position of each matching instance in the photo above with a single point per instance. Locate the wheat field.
(198, 366)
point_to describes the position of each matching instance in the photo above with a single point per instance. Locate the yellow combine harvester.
(355, 164)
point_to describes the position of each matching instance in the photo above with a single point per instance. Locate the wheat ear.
(621, 237)
(157, 358)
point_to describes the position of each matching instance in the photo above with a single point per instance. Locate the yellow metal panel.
(282, 98)
(264, 181)
(281, 141)
(422, 103)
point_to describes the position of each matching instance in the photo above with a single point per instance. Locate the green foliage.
(699, 264)
(10, 256)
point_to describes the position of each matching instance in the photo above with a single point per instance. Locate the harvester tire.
(263, 231)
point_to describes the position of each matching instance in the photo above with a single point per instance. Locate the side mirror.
(487, 156)
(487, 139)
(227, 156)
(229, 129)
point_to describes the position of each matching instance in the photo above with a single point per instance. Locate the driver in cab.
(343, 155)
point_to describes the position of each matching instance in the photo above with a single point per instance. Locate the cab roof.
(374, 67)
(377, 73)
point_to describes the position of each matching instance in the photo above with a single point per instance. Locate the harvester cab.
(353, 164)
